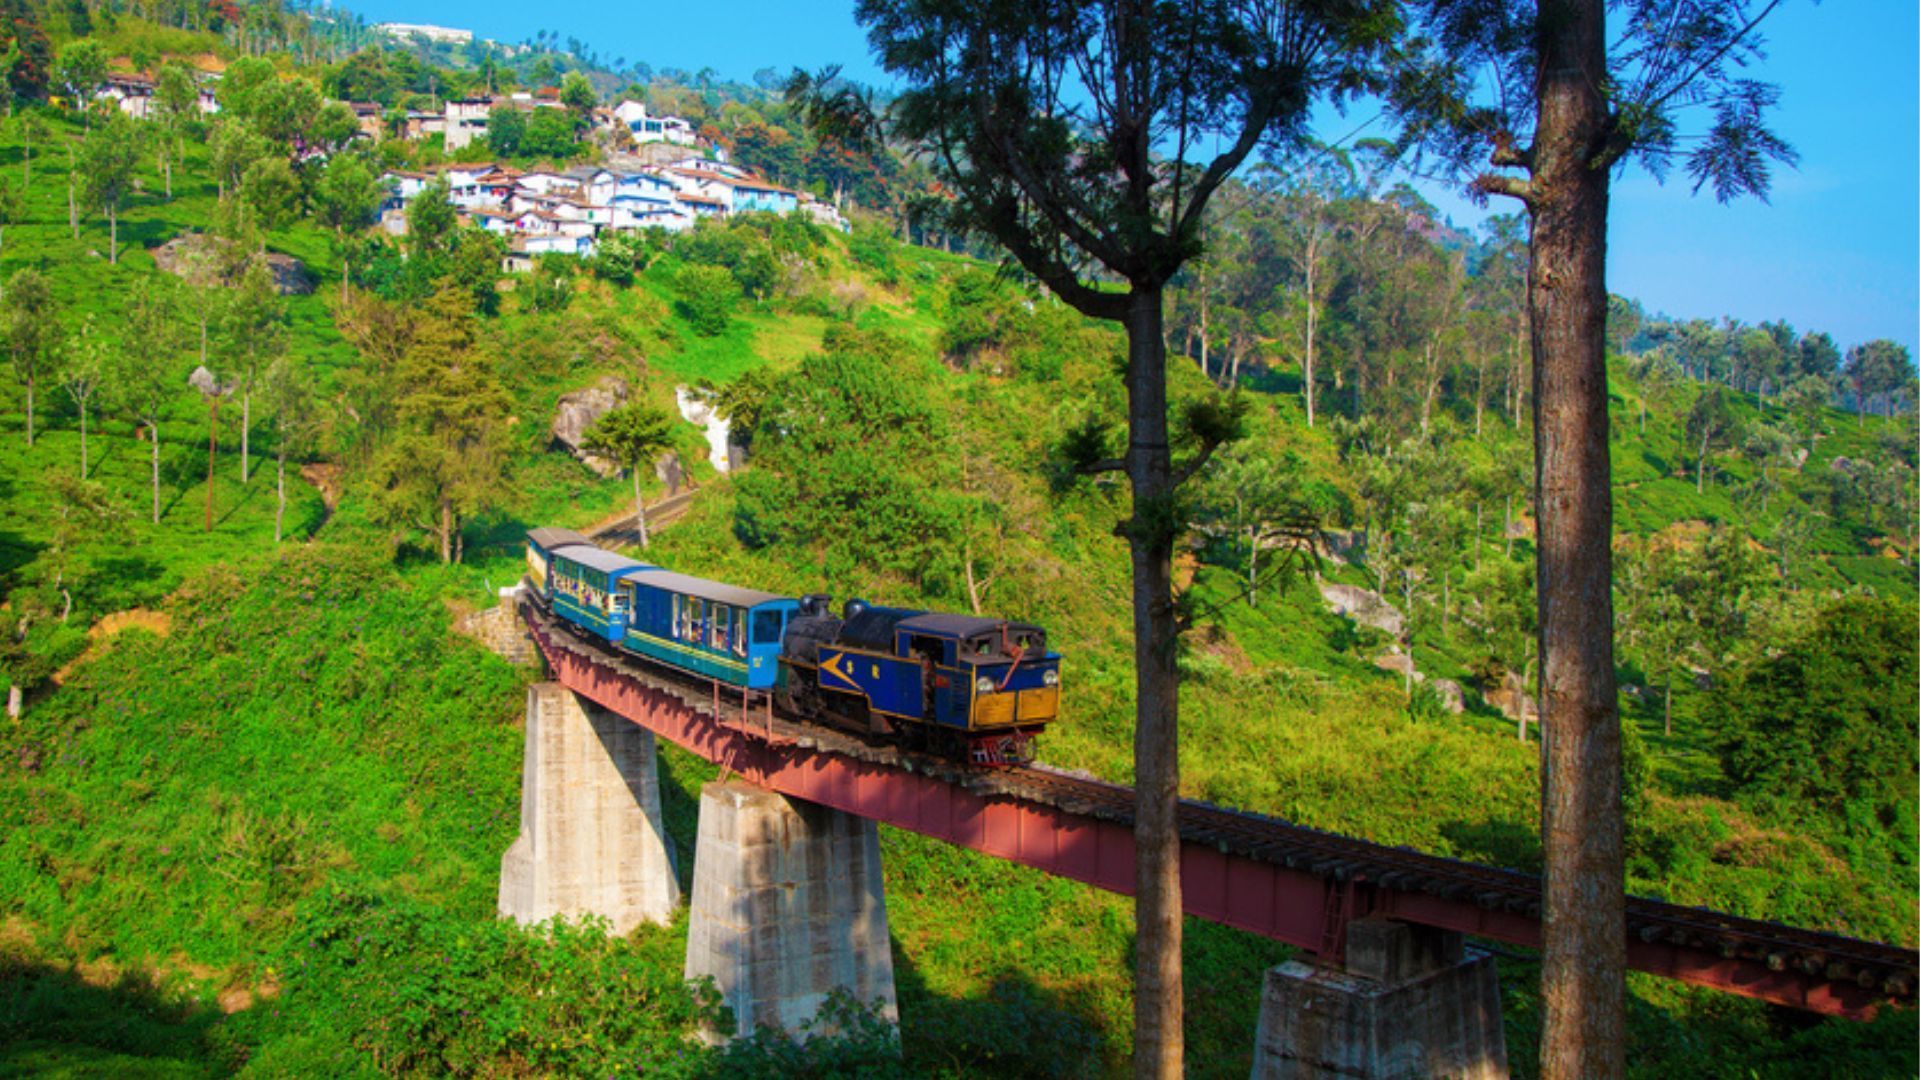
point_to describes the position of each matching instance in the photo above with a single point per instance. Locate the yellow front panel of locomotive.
(993, 710)
(1041, 703)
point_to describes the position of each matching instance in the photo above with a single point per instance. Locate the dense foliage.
(1828, 721)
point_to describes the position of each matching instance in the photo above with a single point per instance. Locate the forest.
(253, 803)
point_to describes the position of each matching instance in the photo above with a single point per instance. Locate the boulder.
(577, 410)
(1452, 697)
(200, 259)
(671, 473)
(290, 275)
(1510, 697)
(1364, 606)
(1345, 545)
(204, 381)
(193, 257)
(1399, 663)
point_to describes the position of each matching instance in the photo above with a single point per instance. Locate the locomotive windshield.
(1029, 642)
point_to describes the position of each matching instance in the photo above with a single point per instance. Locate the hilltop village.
(659, 173)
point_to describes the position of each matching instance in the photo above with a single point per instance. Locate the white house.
(643, 187)
(466, 186)
(131, 94)
(544, 181)
(447, 34)
(402, 185)
(592, 184)
(466, 121)
(645, 128)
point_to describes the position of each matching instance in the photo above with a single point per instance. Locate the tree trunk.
(1306, 363)
(246, 428)
(29, 411)
(639, 508)
(280, 489)
(1700, 473)
(213, 438)
(1253, 567)
(153, 435)
(113, 236)
(1432, 381)
(1480, 396)
(446, 531)
(1583, 954)
(1158, 1005)
(1206, 335)
(973, 584)
(83, 438)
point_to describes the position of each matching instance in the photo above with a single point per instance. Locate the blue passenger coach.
(583, 585)
(721, 631)
(541, 544)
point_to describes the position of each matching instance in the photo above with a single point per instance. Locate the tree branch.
(1511, 186)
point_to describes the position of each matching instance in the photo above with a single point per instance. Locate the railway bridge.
(787, 902)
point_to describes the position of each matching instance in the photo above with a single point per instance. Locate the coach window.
(766, 627)
(738, 635)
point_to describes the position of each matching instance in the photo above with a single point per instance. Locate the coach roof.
(720, 592)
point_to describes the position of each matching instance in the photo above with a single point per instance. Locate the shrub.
(1829, 720)
(706, 298)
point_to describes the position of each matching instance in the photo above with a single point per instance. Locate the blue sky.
(1837, 249)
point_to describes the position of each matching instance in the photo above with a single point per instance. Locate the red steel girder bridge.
(1258, 874)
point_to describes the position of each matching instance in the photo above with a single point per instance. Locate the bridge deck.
(1259, 874)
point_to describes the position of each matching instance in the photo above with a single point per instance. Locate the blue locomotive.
(971, 688)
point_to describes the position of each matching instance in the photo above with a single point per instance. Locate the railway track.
(1867, 964)
(622, 531)
(1709, 938)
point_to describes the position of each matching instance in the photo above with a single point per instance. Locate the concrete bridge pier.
(788, 906)
(591, 841)
(1411, 1002)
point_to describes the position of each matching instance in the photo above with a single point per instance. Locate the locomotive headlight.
(983, 685)
(1050, 677)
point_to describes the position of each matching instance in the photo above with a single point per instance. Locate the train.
(969, 688)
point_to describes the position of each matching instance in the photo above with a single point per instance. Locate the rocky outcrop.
(1345, 545)
(1510, 697)
(1364, 606)
(200, 259)
(671, 473)
(1452, 697)
(290, 275)
(576, 412)
(1399, 663)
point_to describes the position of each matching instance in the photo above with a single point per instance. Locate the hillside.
(259, 830)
